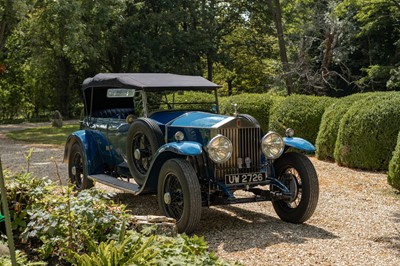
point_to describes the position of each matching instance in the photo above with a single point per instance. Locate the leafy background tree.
(329, 47)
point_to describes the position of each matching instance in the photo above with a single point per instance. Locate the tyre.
(296, 172)
(76, 169)
(179, 194)
(144, 139)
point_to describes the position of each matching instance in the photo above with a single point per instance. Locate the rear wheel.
(179, 194)
(144, 139)
(76, 169)
(297, 173)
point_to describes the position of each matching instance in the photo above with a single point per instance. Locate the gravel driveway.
(357, 221)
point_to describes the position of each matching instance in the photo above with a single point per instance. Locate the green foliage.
(394, 167)
(86, 228)
(191, 100)
(302, 113)
(23, 190)
(326, 139)
(65, 221)
(371, 35)
(21, 258)
(376, 76)
(257, 105)
(394, 81)
(137, 249)
(366, 132)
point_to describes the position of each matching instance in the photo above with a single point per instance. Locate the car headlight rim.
(220, 149)
(272, 145)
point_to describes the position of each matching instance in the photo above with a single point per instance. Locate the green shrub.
(21, 259)
(303, 113)
(367, 132)
(327, 134)
(191, 100)
(23, 190)
(85, 228)
(394, 167)
(137, 249)
(63, 221)
(256, 105)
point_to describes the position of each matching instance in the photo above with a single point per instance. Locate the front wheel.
(179, 194)
(76, 169)
(298, 174)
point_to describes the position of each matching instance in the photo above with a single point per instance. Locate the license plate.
(234, 179)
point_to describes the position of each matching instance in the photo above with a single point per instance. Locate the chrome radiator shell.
(246, 141)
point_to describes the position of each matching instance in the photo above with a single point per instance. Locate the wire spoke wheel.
(173, 197)
(143, 140)
(142, 148)
(291, 179)
(179, 194)
(76, 169)
(297, 173)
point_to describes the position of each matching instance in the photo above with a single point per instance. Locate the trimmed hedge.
(394, 167)
(328, 130)
(191, 100)
(303, 113)
(367, 133)
(256, 105)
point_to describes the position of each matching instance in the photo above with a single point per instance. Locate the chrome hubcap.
(73, 170)
(167, 198)
(137, 154)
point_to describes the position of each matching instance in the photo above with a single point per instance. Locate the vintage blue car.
(137, 136)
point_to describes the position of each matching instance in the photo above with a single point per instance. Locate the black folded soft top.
(148, 81)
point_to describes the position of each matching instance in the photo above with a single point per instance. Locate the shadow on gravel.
(230, 225)
(234, 227)
(138, 205)
(391, 241)
(394, 242)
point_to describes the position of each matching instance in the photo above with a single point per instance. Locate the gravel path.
(357, 221)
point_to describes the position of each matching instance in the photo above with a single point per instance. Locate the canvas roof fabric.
(148, 81)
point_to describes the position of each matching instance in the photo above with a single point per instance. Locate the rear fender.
(90, 147)
(299, 143)
(166, 152)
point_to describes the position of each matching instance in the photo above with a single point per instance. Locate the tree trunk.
(209, 66)
(276, 9)
(230, 86)
(4, 23)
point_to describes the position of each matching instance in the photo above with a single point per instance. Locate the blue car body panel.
(187, 148)
(97, 150)
(165, 152)
(197, 119)
(163, 117)
(299, 143)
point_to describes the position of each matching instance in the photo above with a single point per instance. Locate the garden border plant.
(59, 225)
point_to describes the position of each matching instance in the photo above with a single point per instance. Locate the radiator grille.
(246, 144)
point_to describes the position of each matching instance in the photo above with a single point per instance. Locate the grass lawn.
(44, 135)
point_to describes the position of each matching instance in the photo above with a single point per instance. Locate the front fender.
(166, 152)
(299, 143)
(187, 148)
(90, 148)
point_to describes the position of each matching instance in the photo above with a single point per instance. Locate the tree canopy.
(329, 47)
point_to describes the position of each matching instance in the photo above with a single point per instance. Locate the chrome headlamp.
(272, 145)
(220, 149)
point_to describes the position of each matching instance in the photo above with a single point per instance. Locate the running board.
(117, 183)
